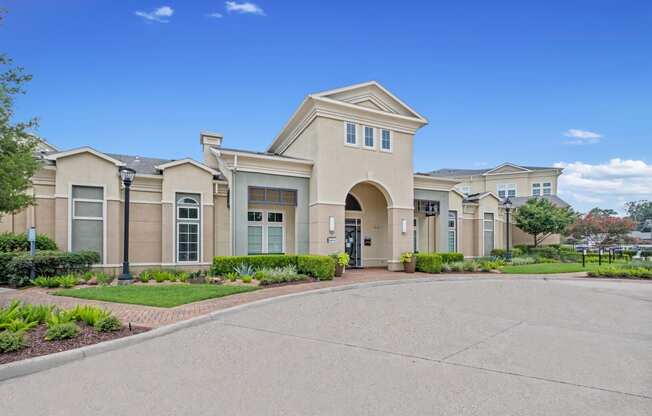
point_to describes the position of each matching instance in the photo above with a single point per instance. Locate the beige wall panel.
(44, 216)
(145, 233)
(114, 232)
(319, 233)
(61, 222)
(207, 230)
(222, 229)
(400, 242)
(87, 169)
(167, 233)
(469, 238)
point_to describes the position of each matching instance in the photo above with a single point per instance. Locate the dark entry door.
(353, 242)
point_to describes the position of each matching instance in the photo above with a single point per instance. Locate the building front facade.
(338, 177)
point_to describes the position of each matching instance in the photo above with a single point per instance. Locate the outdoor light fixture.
(403, 226)
(127, 176)
(508, 207)
(331, 224)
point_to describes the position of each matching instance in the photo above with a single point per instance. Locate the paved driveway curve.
(499, 346)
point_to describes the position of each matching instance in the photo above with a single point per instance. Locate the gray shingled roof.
(143, 165)
(448, 172)
(522, 200)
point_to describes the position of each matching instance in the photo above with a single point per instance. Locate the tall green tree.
(17, 145)
(640, 212)
(541, 218)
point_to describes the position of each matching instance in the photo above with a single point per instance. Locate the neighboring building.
(339, 176)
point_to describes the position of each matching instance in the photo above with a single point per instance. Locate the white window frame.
(346, 133)
(506, 187)
(364, 137)
(391, 145)
(452, 229)
(547, 188)
(71, 208)
(198, 221)
(465, 189)
(484, 221)
(265, 224)
(536, 185)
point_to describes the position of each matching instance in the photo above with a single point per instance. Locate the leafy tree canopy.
(641, 213)
(601, 230)
(17, 162)
(541, 218)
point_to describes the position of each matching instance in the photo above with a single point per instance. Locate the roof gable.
(185, 161)
(370, 95)
(507, 168)
(81, 150)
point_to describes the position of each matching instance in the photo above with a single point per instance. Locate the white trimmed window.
(488, 230)
(87, 225)
(265, 232)
(506, 190)
(536, 189)
(350, 133)
(465, 189)
(385, 140)
(547, 188)
(188, 227)
(452, 231)
(368, 136)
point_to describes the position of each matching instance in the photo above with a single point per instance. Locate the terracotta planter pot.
(410, 266)
(339, 270)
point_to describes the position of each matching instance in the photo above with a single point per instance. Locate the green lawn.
(548, 268)
(166, 296)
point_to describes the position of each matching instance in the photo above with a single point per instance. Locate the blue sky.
(538, 83)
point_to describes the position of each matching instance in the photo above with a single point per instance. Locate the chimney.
(208, 139)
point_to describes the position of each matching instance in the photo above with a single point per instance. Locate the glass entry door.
(353, 241)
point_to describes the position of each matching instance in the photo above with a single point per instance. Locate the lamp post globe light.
(508, 207)
(127, 176)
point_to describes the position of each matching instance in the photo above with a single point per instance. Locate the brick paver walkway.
(154, 317)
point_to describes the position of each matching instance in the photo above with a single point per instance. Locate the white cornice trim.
(183, 162)
(266, 157)
(85, 149)
(418, 120)
(273, 172)
(502, 165)
(437, 178)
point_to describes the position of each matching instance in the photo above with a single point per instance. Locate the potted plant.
(409, 262)
(341, 261)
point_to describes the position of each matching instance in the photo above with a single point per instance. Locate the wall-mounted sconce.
(331, 224)
(403, 226)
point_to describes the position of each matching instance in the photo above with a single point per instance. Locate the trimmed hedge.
(10, 242)
(631, 272)
(5, 258)
(429, 262)
(49, 263)
(226, 264)
(320, 267)
(451, 257)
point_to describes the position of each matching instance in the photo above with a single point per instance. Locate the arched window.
(352, 204)
(188, 228)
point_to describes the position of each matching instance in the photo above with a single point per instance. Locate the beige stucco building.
(339, 176)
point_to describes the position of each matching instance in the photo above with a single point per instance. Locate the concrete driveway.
(503, 346)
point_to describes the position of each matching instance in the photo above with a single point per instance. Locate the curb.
(46, 362)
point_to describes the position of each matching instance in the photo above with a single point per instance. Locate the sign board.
(331, 240)
(31, 234)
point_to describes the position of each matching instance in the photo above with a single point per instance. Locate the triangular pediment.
(507, 168)
(370, 95)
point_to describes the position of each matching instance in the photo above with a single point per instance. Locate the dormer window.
(351, 134)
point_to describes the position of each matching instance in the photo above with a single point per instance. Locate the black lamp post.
(127, 176)
(508, 207)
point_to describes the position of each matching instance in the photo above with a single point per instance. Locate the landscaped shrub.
(49, 263)
(614, 271)
(429, 262)
(487, 266)
(36, 313)
(246, 279)
(67, 281)
(232, 276)
(244, 270)
(103, 278)
(18, 325)
(62, 331)
(520, 261)
(225, 264)
(5, 258)
(470, 266)
(46, 281)
(269, 275)
(319, 267)
(108, 323)
(451, 257)
(11, 341)
(89, 314)
(10, 242)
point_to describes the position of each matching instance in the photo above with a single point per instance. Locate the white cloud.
(215, 15)
(582, 136)
(246, 7)
(608, 185)
(160, 15)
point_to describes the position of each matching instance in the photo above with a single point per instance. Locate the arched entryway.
(366, 229)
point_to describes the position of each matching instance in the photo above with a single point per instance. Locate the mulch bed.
(37, 345)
